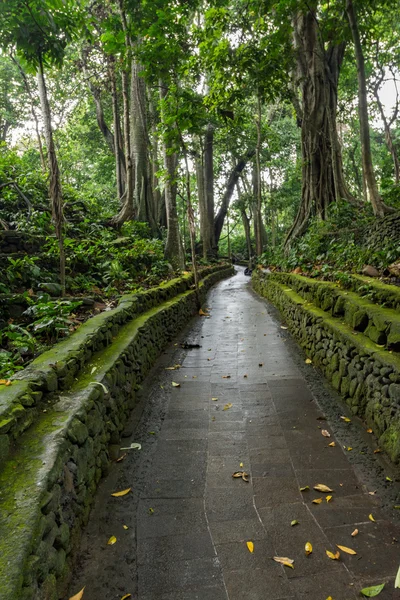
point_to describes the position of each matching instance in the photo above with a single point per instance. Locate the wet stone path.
(242, 400)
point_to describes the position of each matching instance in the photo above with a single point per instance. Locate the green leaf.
(373, 591)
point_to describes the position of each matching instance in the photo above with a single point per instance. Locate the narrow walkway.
(242, 404)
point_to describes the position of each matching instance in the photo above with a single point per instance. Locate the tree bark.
(202, 201)
(210, 242)
(55, 192)
(388, 134)
(318, 69)
(246, 224)
(120, 179)
(173, 248)
(378, 206)
(230, 187)
(258, 228)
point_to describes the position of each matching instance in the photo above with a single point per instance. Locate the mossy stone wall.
(48, 482)
(366, 375)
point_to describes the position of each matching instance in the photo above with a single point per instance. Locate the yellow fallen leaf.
(174, 384)
(308, 361)
(293, 523)
(329, 598)
(112, 540)
(241, 465)
(284, 560)
(335, 556)
(308, 548)
(203, 314)
(125, 527)
(347, 550)
(354, 533)
(371, 518)
(325, 433)
(215, 399)
(151, 511)
(349, 448)
(126, 596)
(369, 430)
(320, 487)
(328, 498)
(78, 596)
(121, 493)
(250, 546)
(305, 488)
(317, 501)
(372, 493)
(5, 382)
(121, 458)
(332, 444)
(228, 406)
(241, 475)
(377, 450)
(345, 419)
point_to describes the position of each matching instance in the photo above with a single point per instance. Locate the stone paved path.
(189, 520)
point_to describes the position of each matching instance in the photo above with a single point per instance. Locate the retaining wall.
(366, 374)
(61, 416)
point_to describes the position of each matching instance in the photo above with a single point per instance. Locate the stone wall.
(49, 478)
(365, 373)
(12, 242)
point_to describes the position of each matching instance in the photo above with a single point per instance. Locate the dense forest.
(140, 138)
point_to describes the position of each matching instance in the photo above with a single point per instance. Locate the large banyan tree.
(315, 82)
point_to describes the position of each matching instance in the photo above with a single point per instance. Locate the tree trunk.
(173, 248)
(143, 193)
(318, 70)
(388, 136)
(246, 225)
(121, 181)
(127, 212)
(191, 221)
(258, 228)
(202, 201)
(378, 206)
(211, 244)
(55, 192)
(230, 187)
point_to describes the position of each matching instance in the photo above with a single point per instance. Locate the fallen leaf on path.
(354, 533)
(228, 406)
(325, 433)
(126, 596)
(332, 444)
(371, 518)
(293, 523)
(133, 446)
(241, 475)
(345, 419)
(308, 361)
(174, 384)
(349, 448)
(397, 580)
(215, 399)
(5, 382)
(317, 501)
(332, 556)
(305, 488)
(388, 479)
(203, 314)
(369, 430)
(121, 458)
(226, 376)
(347, 550)
(284, 560)
(329, 598)
(125, 527)
(151, 511)
(308, 548)
(260, 364)
(241, 465)
(377, 450)
(78, 596)
(282, 327)
(112, 540)
(320, 487)
(396, 506)
(371, 592)
(121, 493)
(328, 498)
(245, 375)
(250, 546)
(174, 368)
